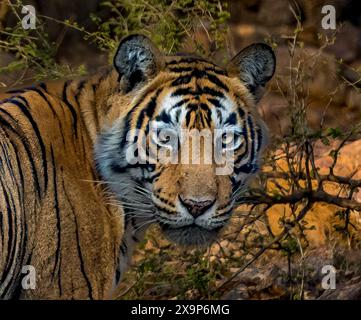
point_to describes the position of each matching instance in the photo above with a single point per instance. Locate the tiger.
(74, 204)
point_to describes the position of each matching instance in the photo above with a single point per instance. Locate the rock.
(322, 217)
(215, 249)
(256, 282)
(348, 291)
(158, 290)
(212, 258)
(192, 294)
(349, 158)
(238, 293)
(224, 243)
(150, 246)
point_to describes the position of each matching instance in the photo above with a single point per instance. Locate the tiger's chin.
(192, 235)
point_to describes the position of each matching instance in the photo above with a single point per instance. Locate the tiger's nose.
(196, 207)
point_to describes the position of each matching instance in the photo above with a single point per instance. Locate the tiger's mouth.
(190, 235)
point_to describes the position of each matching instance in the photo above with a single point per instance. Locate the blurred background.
(315, 94)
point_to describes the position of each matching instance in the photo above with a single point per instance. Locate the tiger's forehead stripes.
(150, 105)
(191, 93)
(186, 64)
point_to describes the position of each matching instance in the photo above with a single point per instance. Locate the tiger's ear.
(137, 60)
(255, 66)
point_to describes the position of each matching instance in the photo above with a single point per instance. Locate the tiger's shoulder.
(57, 88)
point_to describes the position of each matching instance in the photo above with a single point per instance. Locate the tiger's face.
(190, 139)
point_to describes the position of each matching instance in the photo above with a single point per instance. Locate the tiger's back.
(53, 217)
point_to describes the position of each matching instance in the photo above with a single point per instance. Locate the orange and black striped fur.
(73, 206)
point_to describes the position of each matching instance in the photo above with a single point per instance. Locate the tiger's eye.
(165, 139)
(227, 138)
